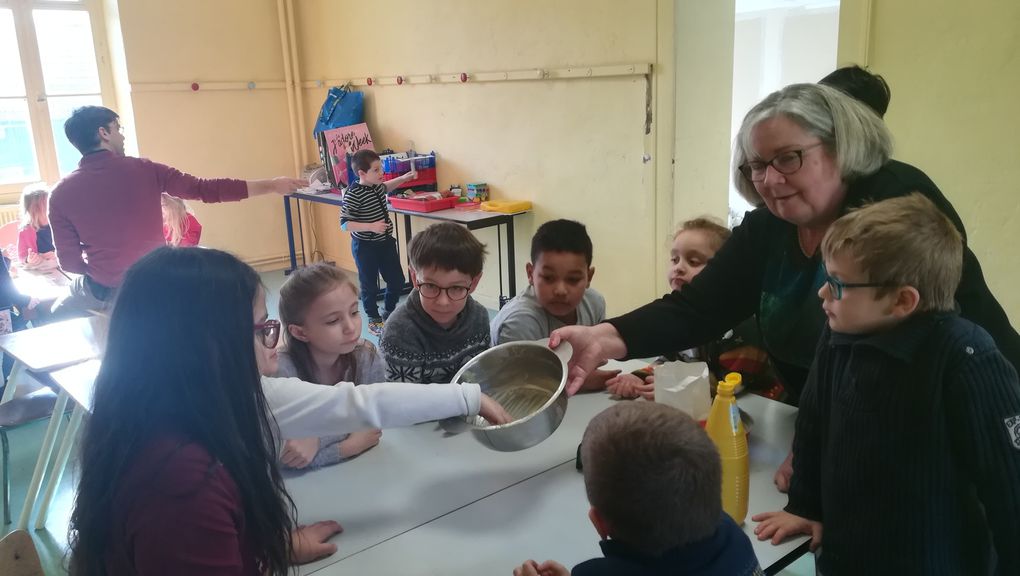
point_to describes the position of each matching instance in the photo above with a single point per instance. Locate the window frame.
(35, 88)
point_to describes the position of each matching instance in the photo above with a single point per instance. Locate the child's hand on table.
(493, 412)
(596, 380)
(547, 568)
(784, 473)
(309, 543)
(299, 453)
(359, 442)
(631, 386)
(780, 525)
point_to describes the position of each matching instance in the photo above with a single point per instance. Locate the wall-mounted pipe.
(289, 81)
(296, 66)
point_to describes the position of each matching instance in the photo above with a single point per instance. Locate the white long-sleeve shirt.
(303, 409)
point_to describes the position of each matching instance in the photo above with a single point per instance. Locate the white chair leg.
(12, 381)
(49, 440)
(59, 465)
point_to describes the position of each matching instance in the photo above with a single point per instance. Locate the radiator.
(9, 213)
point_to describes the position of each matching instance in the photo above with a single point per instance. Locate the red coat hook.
(194, 86)
(368, 81)
(400, 79)
(463, 76)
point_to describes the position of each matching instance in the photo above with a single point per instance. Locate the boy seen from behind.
(365, 215)
(440, 326)
(559, 291)
(907, 448)
(654, 482)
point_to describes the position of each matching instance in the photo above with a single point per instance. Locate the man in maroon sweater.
(106, 214)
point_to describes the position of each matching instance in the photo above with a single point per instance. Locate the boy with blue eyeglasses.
(907, 450)
(440, 326)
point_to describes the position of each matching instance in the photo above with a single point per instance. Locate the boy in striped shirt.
(365, 215)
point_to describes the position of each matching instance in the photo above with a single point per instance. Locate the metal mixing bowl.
(529, 380)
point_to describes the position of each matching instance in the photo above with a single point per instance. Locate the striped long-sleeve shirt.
(908, 451)
(366, 204)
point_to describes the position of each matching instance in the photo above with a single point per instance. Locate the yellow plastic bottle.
(727, 432)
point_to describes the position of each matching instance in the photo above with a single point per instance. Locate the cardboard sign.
(336, 146)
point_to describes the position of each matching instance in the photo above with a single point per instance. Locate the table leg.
(290, 234)
(301, 235)
(407, 231)
(61, 463)
(49, 440)
(12, 381)
(511, 262)
(407, 244)
(499, 266)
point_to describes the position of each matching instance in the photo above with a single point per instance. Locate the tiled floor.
(52, 541)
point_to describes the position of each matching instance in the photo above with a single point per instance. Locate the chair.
(14, 414)
(18, 556)
(9, 239)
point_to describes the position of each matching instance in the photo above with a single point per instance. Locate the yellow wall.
(238, 134)
(704, 64)
(573, 147)
(954, 70)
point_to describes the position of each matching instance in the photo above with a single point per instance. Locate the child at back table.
(35, 240)
(180, 227)
(322, 332)
(907, 449)
(654, 482)
(559, 291)
(694, 243)
(440, 326)
(365, 214)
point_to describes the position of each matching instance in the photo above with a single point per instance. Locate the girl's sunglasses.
(268, 332)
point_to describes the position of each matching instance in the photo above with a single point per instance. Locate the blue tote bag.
(342, 107)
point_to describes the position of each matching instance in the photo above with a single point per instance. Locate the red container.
(416, 205)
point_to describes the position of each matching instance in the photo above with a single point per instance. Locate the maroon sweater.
(178, 511)
(106, 214)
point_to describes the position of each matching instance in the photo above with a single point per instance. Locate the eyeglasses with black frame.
(268, 333)
(455, 293)
(785, 163)
(837, 286)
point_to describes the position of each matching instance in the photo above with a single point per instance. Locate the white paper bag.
(684, 385)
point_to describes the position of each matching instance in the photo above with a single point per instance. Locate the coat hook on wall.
(463, 77)
(368, 81)
(400, 80)
(251, 85)
(194, 86)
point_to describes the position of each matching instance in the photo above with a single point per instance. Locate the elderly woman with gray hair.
(804, 155)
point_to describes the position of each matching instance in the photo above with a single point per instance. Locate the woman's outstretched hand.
(592, 346)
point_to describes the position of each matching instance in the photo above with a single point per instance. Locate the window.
(48, 67)
(776, 43)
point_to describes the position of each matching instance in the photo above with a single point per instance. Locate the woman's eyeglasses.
(429, 290)
(268, 333)
(837, 286)
(785, 163)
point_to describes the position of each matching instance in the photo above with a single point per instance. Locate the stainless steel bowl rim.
(548, 403)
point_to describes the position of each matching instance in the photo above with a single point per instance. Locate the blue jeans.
(373, 259)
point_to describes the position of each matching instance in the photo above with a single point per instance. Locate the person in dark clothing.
(15, 311)
(806, 155)
(862, 85)
(654, 482)
(907, 450)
